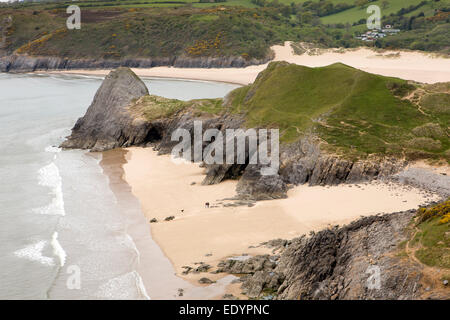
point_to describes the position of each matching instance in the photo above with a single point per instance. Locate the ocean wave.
(141, 286)
(127, 241)
(120, 287)
(34, 253)
(53, 149)
(49, 177)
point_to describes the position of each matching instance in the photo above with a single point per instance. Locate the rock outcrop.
(357, 261)
(304, 162)
(25, 63)
(338, 263)
(108, 123)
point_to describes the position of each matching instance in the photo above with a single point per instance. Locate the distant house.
(374, 34)
(391, 31)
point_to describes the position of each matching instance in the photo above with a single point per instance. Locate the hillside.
(351, 111)
(184, 33)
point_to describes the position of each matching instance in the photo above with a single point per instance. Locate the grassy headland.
(353, 113)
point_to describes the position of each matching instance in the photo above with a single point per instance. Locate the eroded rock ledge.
(338, 263)
(110, 122)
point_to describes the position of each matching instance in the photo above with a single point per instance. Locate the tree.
(304, 17)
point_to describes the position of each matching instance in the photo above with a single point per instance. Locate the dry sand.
(164, 188)
(409, 65)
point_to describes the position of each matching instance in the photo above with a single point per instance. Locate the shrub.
(429, 130)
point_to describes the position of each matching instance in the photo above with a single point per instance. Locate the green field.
(357, 13)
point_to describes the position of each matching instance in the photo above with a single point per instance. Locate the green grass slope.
(354, 112)
(432, 238)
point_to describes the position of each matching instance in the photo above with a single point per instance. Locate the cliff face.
(337, 263)
(107, 123)
(360, 261)
(24, 63)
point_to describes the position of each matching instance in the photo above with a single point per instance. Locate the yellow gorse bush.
(441, 210)
(201, 47)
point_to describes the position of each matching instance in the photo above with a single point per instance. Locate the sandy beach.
(200, 234)
(409, 65)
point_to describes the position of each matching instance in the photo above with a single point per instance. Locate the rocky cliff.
(25, 63)
(362, 260)
(111, 121)
(107, 123)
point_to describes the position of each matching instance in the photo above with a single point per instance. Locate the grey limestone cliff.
(359, 261)
(107, 123)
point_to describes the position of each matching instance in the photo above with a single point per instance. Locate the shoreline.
(155, 269)
(209, 235)
(408, 65)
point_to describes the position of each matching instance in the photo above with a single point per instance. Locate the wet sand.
(199, 234)
(156, 271)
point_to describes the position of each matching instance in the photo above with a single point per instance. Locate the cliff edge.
(397, 256)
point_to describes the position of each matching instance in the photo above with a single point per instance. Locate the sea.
(64, 233)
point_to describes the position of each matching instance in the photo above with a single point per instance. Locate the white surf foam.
(49, 177)
(58, 249)
(34, 253)
(52, 149)
(127, 241)
(119, 287)
(141, 286)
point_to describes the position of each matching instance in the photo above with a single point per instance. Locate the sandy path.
(409, 65)
(164, 189)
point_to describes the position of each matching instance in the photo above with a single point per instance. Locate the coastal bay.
(408, 65)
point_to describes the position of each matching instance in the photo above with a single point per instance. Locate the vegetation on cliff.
(431, 242)
(351, 111)
(153, 107)
(238, 28)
